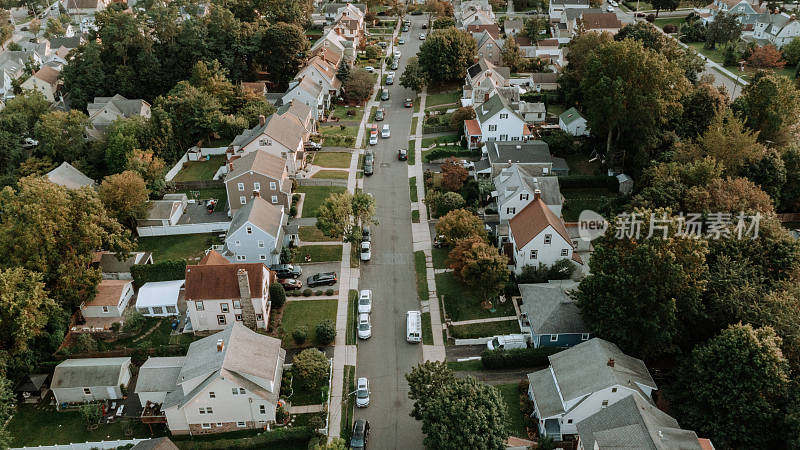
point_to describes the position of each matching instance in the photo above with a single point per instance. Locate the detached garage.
(159, 299)
(111, 299)
(90, 379)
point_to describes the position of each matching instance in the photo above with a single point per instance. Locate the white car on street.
(366, 253)
(397, 54)
(364, 326)
(362, 393)
(422, 36)
(610, 8)
(385, 133)
(365, 301)
(373, 139)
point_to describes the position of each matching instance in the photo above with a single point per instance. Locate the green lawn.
(412, 187)
(315, 195)
(339, 130)
(352, 310)
(412, 153)
(422, 279)
(339, 160)
(331, 175)
(660, 22)
(414, 124)
(301, 395)
(312, 234)
(319, 253)
(32, 427)
(190, 247)
(577, 200)
(440, 257)
(204, 194)
(472, 365)
(427, 329)
(415, 216)
(462, 303)
(579, 165)
(427, 142)
(479, 330)
(355, 256)
(306, 313)
(340, 111)
(348, 406)
(200, 170)
(159, 337)
(442, 98)
(510, 393)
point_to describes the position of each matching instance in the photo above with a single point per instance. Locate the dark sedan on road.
(322, 279)
(408, 103)
(402, 154)
(286, 270)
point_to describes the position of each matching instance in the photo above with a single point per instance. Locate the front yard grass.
(318, 253)
(348, 405)
(422, 278)
(32, 427)
(302, 395)
(412, 153)
(352, 310)
(660, 22)
(315, 195)
(339, 160)
(331, 175)
(340, 111)
(471, 365)
(448, 138)
(479, 330)
(200, 170)
(462, 303)
(441, 98)
(312, 234)
(189, 247)
(415, 216)
(412, 187)
(338, 130)
(440, 256)
(427, 330)
(510, 393)
(307, 313)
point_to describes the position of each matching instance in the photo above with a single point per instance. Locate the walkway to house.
(306, 409)
(487, 320)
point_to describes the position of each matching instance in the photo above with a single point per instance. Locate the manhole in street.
(384, 164)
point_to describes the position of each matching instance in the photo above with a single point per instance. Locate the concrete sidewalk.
(487, 320)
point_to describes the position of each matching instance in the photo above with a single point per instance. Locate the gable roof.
(545, 77)
(68, 176)
(119, 106)
(260, 162)
(570, 115)
(48, 74)
(510, 179)
(213, 258)
(531, 152)
(595, 21)
(550, 309)
(110, 264)
(513, 23)
(634, 423)
(260, 213)
(277, 127)
(492, 29)
(109, 293)
(570, 2)
(88, 372)
(298, 110)
(162, 443)
(159, 374)
(67, 42)
(219, 281)
(545, 393)
(584, 369)
(494, 105)
(532, 220)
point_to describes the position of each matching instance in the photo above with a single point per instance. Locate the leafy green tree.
(310, 367)
(730, 195)
(770, 104)
(446, 54)
(54, 28)
(443, 22)
(283, 48)
(125, 196)
(91, 414)
(61, 135)
(359, 86)
(791, 52)
(511, 54)
(768, 173)
(7, 405)
(701, 106)
(653, 39)
(85, 76)
(297, 12)
(150, 167)
(277, 295)
(460, 224)
(341, 216)
(670, 5)
(534, 27)
(442, 203)
(480, 266)
(739, 373)
(666, 185)
(326, 332)
(426, 380)
(343, 73)
(728, 141)
(724, 28)
(413, 76)
(790, 194)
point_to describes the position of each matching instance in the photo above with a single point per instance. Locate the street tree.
(460, 224)
(413, 76)
(443, 22)
(701, 106)
(446, 54)
(534, 28)
(310, 367)
(727, 140)
(343, 73)
(453, 175)
(125, 196)
(725, 28)
(770, 104)
(791, 52)
(653, 39)
(358, 86)
(424, 381)
(670, 5)
(480, 266)
(343, 215)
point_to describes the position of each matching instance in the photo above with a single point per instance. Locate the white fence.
(478, 341)
(203, 152)
(186, 228)
(103, 445)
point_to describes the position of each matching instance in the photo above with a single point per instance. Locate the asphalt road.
(386, 357)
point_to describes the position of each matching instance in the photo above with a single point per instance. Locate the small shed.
(160, 298)
(33, 388)
(573, 122)
(111, 299)
(90, 379)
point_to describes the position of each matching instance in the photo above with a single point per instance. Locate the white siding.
(546, 253)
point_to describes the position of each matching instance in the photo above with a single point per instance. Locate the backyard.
(339, 160)
(190, 247)
(577, 200)
(305, 313)
(463, 303)
(442, 98)
(200, 170)
(317, 253)
(510, 393)
(314, 197)
(207, 193)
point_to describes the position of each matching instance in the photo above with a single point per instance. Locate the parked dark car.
(358, 438)
(408, 103)
(438, 241)
(380, 114)
(322, 279)
(385, 94)
(366, 235)
(290, 284)
(369, 168)
(286, 270)
(402, 154)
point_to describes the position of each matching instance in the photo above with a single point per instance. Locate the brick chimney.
(220, 345)
(262, 120)
(537, 194)
(230, 167)
(256, 194)
(610, 362)
(245, 299)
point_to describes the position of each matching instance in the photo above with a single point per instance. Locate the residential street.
(387, 357)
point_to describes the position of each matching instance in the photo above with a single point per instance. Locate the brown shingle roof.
(534, 218)
(595, 21)
(219, 281)
(108, 293)
(261, 162)
(493, 29)
(548, 43)
(523, 41)
(48, 75)
(213, 258)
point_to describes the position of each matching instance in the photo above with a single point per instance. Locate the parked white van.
(507, 342)
(414, 327)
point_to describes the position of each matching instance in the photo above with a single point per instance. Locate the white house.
(557, 7)
(748, 12)
(573, 122)
(159, 298)
(515, 187)
(322, 71)
(277, 135)
(309, 93)
(226, 382)
(255, 233)
(498, 121)
(44, 80)
(534, 156)
(111, 299)
(776, 29)
(90, 379)
(583, 380)
(219, 293)
(532, 112)
(537, 236)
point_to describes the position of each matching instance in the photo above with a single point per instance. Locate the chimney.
(537, 194)
(220, 345)
(230, 166)
(244, 283)
(610, 362)
(255, 194)
(262, 120)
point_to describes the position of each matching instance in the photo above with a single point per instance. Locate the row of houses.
(759, 24)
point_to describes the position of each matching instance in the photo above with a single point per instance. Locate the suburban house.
(350, 24)
(601, 23)
(482, 80)
(776, 29)
(515, 186)
(258, 88)
(300, 112)
(113, 268)
(583, 380)
(68, 176)
(90, 379)
(573, 122)
(219, 293)
(533, 156)
(551, 50)
(332, 42)
(323, 72)
(309, 93)
(277, 135)
(492, 29)
(165, 212)
(333, 11)
(498, 121)
(159, 298)
(557, 7)
(84, 7)
(526, 46)
(226, 382)
(489, 47)
(44, 80)
(255, 233)
(474, 12)
(534, 112)
(550, 316)
(513, 27)
(544, 81)
(537, 236)
(110, 300)
(105, 110)
(633, 422)
(748, 12)
(571, 17)
(162, 443)
(260, 172)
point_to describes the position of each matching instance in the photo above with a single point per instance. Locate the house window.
(223, 307)
(238, 317)
(492, 127)
(219, 424)
(240, 186)
(234, 391)
(613, 390)
(158, 310)
(273, 185)
(259, 317)
(212, 395)
(515, 138)
(534, 254)
(262, 409)
(503, 137)
(87, 391)
(262, 257)
(171, 310)
(545, 170)
(237, 243)
(553, 337)
(198, 306)
(548, 238)
(243, 200)
(237, 304)
(569, 420)
(205, 426)
(511, 210)
(260, 244)
(202, 410)
(523, 196)
(249, 230)
(105, 309)
(241, 391)
(265, 142)
(504, 116)
(241, 424)
(256, 186)
(241, 257)
(221, 319)
(274, 199)
(605, 403)
(584, 336)
(564, 252)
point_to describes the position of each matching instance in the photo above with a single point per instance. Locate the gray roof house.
(534, 156)
(255, 233)
(105, 110)
(550, 315)
(68, 176)
(515, 186)
(90, 379)
(582, 380)
(635, 423)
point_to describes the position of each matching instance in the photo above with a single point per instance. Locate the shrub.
(670, 28)
(650, 18)
(316, 422)
(326, 332)
(517, 358)
(441, 153)
(586, 181)
(277, 295)
(293, 211)
(318, 292)
(432, 120)
(84, 343)
(115, 327)
(161, 271)
(134, 321)
(329, 292)
(295, 199)
(307, 292)
(310, 367)
(300, 335)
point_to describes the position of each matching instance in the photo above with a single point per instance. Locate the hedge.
(589, 181)
(280, 438)
(518, 358)
(161, 271)
(448, 151)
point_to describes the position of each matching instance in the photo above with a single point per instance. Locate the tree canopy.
(446, 54)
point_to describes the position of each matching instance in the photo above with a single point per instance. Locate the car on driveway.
(402, 154)
(385, 132)
(364, 328)
(358, 438)
(321, 279)
(408, 103)
(380, 114)
(290, 284)
(362, 392)
(366, 251)
(286, 270)
(365, 301)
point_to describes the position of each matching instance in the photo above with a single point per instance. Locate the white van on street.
(414, 327)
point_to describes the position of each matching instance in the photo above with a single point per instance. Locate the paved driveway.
(311, 269)
(386, 357)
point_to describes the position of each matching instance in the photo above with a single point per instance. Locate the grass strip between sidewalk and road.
(352, 310)
(348, 403)
(422, 278)
(415, 216)
(412, 154)
(427, 329)
(412, 186)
